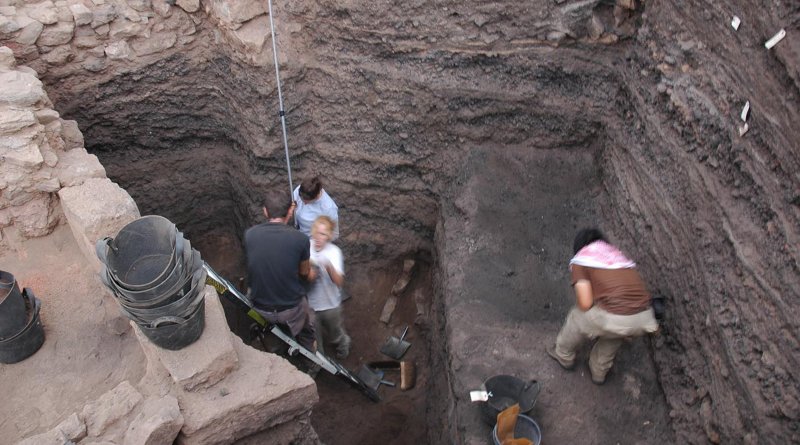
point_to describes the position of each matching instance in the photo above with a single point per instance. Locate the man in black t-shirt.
(277, 266)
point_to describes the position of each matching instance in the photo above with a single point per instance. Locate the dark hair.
(310, 188)
(277, 203)
(586, 237)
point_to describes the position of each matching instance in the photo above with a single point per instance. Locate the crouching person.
(612, 304)
(325, 297)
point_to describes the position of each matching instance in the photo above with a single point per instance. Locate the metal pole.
(282, 112)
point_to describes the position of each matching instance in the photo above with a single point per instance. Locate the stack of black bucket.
(21, 332)
(158, 280)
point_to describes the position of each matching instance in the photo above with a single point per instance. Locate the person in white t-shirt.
(325, 297)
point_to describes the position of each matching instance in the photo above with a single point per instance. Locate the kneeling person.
(325, 296)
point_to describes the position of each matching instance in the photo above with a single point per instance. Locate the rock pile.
(41, 154)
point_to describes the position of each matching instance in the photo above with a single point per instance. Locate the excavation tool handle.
(226, 289)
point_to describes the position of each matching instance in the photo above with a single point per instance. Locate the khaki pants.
(609, 329)
(330, 328)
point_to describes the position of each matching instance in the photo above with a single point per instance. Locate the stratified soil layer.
(491, 127)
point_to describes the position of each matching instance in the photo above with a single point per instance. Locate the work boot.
(551, 351)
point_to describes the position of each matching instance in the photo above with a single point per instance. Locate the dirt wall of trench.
(388, 100)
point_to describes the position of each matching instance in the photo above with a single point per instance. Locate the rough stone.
(76, 166)
(36, 217)
(103, 14)
(94, 64)
(84, 42)
(189, 5)
(55, 35)
(213, 416)
(71, 133)
(44, 12)
(158, 423)
(96, 209)
(48, 186)
(140, 5)
(109, 408)
(118, 50)
(72, 429)
(46, 115)
(155, 44)
(253, 34)
(14, 119)
(81, 14)
(8, 25)
(206, 361)
(102, 30)
(124, 29)
(20, 88)
(7, 60)
(59, 56)
(22, 149)
(237, 12)
(162, 7)
(30, 33)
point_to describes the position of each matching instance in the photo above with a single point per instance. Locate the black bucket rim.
(109, 260)
(180, 333)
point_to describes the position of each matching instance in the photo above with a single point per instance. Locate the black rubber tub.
(28, 340)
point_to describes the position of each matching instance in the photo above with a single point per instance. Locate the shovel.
(396, 347)
(372, 379)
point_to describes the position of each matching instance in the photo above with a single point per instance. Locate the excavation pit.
(475, 139)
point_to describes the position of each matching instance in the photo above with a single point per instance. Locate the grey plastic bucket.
(525, 428)
(142, 254)
(27, 341)
(13, 316)
(175, 333)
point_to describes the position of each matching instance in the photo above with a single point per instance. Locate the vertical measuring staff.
(282, 112)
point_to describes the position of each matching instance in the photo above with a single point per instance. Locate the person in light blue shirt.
(312, 202)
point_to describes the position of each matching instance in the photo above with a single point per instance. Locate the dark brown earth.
(485, 156)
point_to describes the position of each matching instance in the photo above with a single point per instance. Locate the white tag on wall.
(479, 396)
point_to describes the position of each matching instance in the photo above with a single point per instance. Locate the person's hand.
(290, 213)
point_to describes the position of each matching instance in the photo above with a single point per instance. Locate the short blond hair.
(323, 219)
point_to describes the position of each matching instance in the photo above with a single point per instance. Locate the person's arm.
(336, 277)
(584, 298)
(304, 269)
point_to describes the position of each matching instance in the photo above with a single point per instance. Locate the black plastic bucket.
(174, 333)
(506, 391)
(27, 341)
(142, 254)
(181, 307)
(13, 316)
(525, 428)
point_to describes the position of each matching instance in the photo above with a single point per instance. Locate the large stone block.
(158, 423)
(189, 5)
(15, 119)
(118, 50)
(30, 33)
(76, 166)
(109, 408)
(156, 43)
(21, 148)
(264, 393)
(7, 60)
(234, 13)
(8, 25)
(20, 88)
(81, 14)
(44, 12)
(103, 14)
(253, 34)
(72, 135)
(123, 29)
(206, 361)
(35, 218)
(58, 34)
(96, 209)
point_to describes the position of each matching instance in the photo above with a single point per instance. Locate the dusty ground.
(89, 348)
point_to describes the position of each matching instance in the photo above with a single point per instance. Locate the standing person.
(325, 297)
(277, 263)
(612, 304)
(313, 201)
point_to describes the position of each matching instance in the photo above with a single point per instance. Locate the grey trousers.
(299, 320)
(609, 329)
(330, 328)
